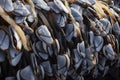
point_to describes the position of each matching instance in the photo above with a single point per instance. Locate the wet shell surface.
(59, 39)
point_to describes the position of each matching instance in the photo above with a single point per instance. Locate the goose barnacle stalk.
(20, 32)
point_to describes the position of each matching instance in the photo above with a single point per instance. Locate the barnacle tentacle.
(70, 14)
(20, 32)
(71, 1)
(72, 18)
(106, 8)
(99, 10)
(32, 8)
(34, 12)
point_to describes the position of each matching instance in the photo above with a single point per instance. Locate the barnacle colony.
(59, 39)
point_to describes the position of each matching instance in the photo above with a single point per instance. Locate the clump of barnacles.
(59, 39)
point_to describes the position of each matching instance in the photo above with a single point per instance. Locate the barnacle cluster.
(59, 39)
